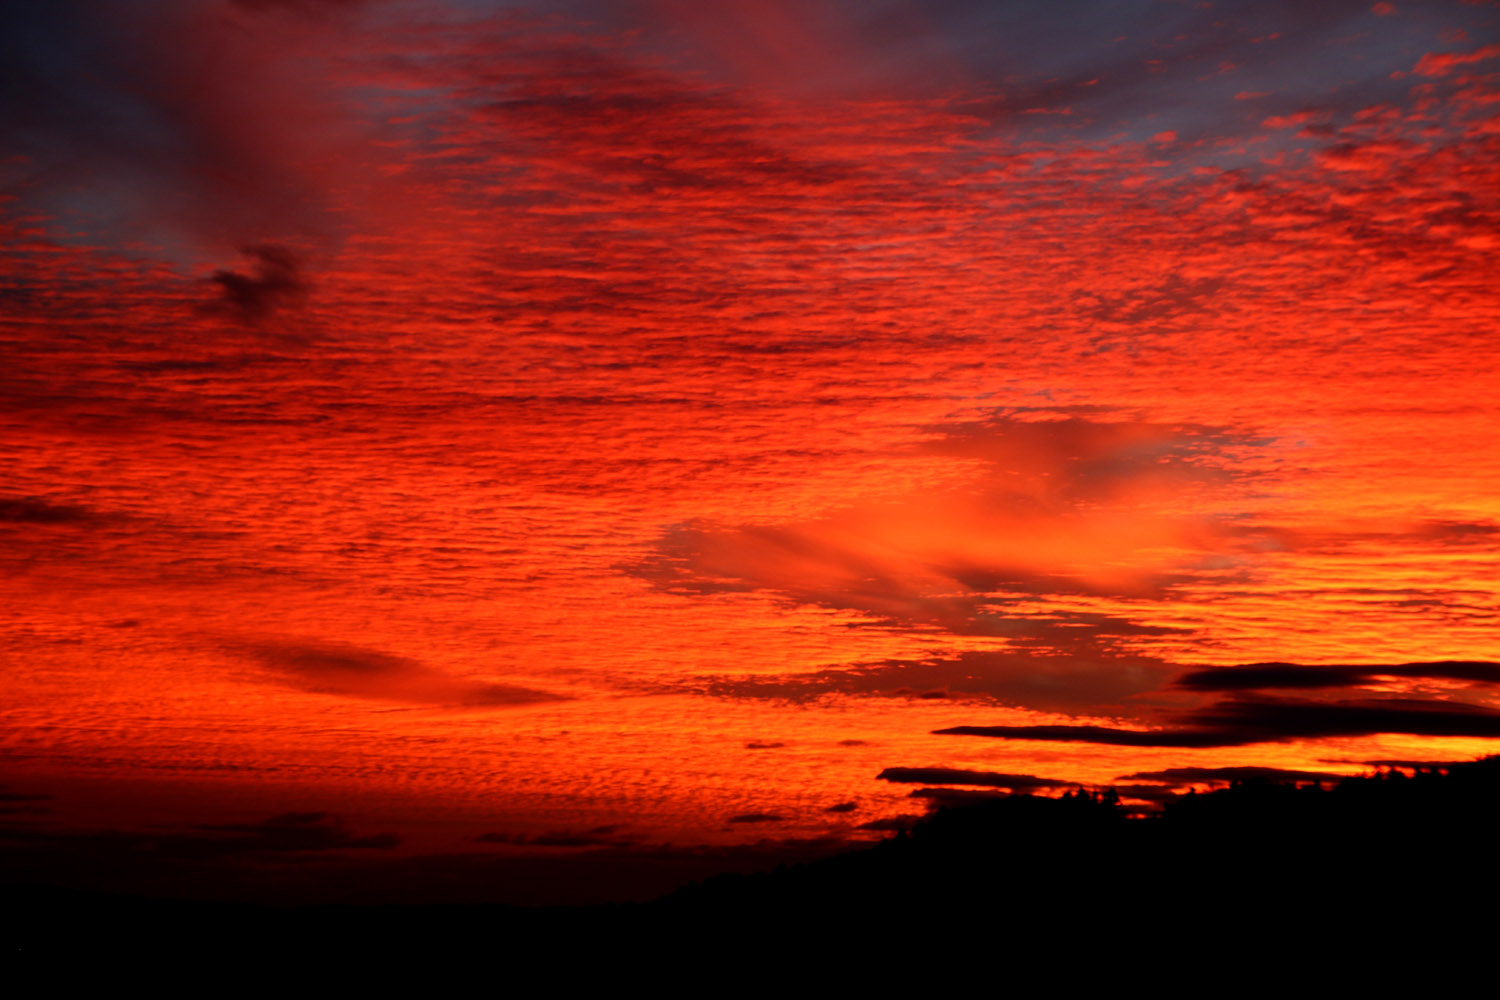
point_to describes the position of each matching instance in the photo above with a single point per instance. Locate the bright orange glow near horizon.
(529, 431)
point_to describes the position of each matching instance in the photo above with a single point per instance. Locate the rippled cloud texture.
(535, 428)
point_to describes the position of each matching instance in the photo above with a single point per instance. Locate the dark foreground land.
(1394, 864)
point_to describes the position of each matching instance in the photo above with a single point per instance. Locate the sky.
(567, 441)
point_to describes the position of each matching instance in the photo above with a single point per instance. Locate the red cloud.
(1442, 63)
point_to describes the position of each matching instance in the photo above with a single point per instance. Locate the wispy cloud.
(352, 671)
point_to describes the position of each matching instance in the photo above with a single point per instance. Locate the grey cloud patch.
(167, 119)
(352, 671)
(1458, 532)
(1020, 677)
(1171, 299)
(1079, 458)
(275, 282)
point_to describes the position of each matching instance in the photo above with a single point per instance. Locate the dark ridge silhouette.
(1409, 765)
(1260, 856)
(1253, 872)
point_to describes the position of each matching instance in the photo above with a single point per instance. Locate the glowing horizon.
(646, 426)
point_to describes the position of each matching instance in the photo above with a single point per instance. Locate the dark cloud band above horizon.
(1248, 721)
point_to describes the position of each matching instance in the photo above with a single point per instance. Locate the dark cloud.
(275, 282)
(1212, 775)
(1240, 722)
(1173, 298)
(758, 745)
(23, 803)
(1457, 532)
(607, 105)
(337, 668)
(1088, 679)
(1256, 676)
(757, 818)
(1073, 456)
(1253, 716)
(173, 366)
(1096, 734)
(955, 776)
(314, 7)
(842, 807)
(33, 510)
(939, 797)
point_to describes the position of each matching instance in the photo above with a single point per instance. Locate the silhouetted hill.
(1256, 860)
(1255, 867)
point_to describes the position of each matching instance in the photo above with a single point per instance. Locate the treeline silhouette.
(1252, 867)
(1256, 857)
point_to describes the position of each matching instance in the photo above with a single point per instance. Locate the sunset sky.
(461, 432)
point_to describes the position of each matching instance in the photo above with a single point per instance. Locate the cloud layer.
(548, 419)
